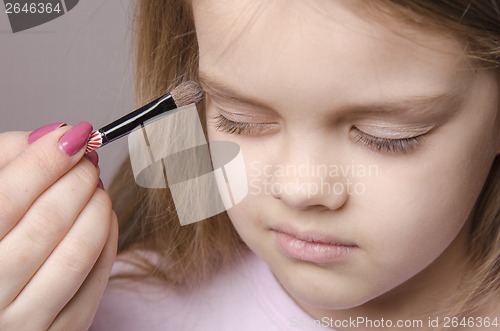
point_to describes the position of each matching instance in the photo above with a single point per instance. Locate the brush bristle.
(186, 93)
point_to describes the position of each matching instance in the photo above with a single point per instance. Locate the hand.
(58, 232)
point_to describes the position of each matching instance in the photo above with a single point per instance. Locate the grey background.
(77, 67)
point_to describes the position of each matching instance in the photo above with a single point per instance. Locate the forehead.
(324, 41)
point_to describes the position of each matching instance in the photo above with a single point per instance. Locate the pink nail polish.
(93, 157)
(75, 138)
(40, 132)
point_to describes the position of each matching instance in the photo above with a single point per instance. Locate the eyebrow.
(413, 105)
(422, 104)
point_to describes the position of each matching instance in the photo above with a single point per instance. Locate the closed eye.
(224, 124)
(401, 145)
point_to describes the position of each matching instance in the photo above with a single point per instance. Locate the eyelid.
(242, 112)
(224, 124)
(399, 145)
(246, 117)
(395, 133)
(240, 117)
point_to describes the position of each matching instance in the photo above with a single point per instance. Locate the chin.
(320, 288)
(335, 299)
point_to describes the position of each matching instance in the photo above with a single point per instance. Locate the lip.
(311, 246)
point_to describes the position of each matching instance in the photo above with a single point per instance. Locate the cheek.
(244, 214)
(250, 216)
(248, 220)
(408, 219)
(418, 211)
(420, 205)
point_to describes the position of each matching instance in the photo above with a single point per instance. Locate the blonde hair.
(167, 53)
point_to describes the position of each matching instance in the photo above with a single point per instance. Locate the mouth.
(311, 246)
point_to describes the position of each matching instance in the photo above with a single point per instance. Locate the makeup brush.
(184, 94)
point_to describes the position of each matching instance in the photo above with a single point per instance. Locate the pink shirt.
(247, 297)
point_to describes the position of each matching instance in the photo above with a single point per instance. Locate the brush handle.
(126, 124)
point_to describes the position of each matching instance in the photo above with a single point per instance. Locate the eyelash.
(403, 145)
(226, 125)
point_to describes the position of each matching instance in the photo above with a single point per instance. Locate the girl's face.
(366, 145)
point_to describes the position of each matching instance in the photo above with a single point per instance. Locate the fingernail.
(93, 157)
(75, 138)
(100, 184)
(40, 132)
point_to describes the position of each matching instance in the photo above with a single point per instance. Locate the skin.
(58, 235)
(306, 75)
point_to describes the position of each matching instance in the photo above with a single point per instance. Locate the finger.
(36, 169)
(82, 308)
(13, 143)
(65, 270)
(25, 248)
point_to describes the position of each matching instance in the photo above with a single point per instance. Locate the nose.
(309, 184)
